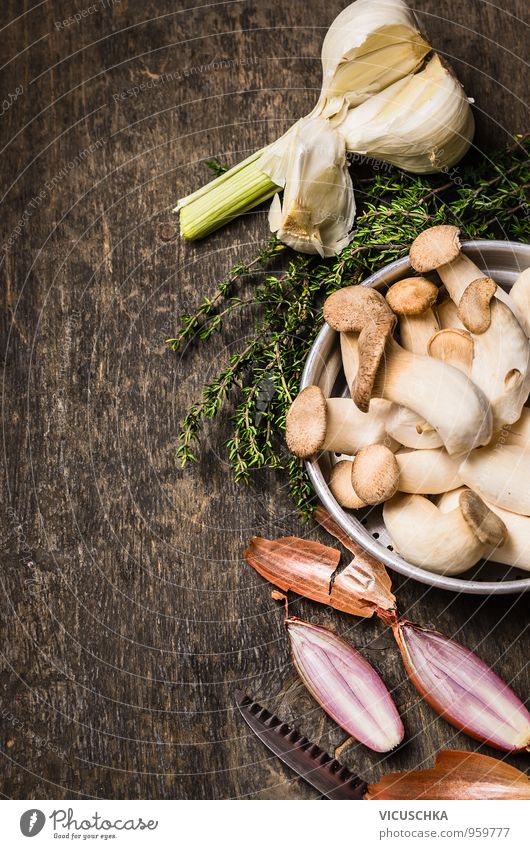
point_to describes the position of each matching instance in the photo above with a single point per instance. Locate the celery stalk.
(231, 194)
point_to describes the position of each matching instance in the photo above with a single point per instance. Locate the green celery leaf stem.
(231, 194)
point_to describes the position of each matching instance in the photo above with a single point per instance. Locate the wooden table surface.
(129, 617)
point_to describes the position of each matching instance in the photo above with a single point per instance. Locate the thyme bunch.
(487, 199)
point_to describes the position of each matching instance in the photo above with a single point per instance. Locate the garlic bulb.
(369, 45)
(374, 100)
(318, 202)
(423, 123)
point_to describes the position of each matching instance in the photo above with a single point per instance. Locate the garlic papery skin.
(423, 123)
(369, 45)
(463, 689)
(345, 685)
(318, 206)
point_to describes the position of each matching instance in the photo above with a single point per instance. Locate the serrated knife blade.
(312, 763)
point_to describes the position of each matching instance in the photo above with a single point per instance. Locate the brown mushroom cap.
(306, 423)
(362, 310)
(375, 474)
(412, 296)
(486, 525)
(435, 247)
(348, 310)
(342, 488)
(371, 348)
(474, 309)
(453, 346)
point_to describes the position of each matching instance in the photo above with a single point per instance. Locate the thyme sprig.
(487, 199)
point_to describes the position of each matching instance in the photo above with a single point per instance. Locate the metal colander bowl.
(502, 261)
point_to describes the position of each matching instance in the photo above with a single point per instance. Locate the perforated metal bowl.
(502, 261)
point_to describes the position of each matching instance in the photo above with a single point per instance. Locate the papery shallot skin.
(456, 775)
(463, 689)
(345, 685)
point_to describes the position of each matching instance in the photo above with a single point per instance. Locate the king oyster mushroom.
(500, 474)
(412, 300)
(455, 347)
(515, 550)
(315, 423)
(501, 363)
(444, 542)
(515, 434)
(342, 488)
(438, 392)
(376, 474)
(520, 295)
(405, 427)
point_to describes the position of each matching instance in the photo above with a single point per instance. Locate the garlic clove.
(318, 206)
(369, 45)
(422, 123)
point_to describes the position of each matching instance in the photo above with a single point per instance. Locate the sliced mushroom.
(341, 486)
(375, 474)
(455, 347)
(501, 365)
(439, 393)
(412, 300)
(427, 537)
(316, 424)
(405, 427)
(500, 474)
(520, 295)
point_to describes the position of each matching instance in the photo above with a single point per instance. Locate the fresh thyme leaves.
(487, 199)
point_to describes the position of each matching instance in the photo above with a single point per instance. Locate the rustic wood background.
(128, 614)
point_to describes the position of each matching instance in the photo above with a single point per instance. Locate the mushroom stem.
(415, 331)
(436, 541)
(501, 365)
(427, 472)
(520, 295)
(405, 427)
(515, 551)
(500, 475)
(315, 423)
(439, 393)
